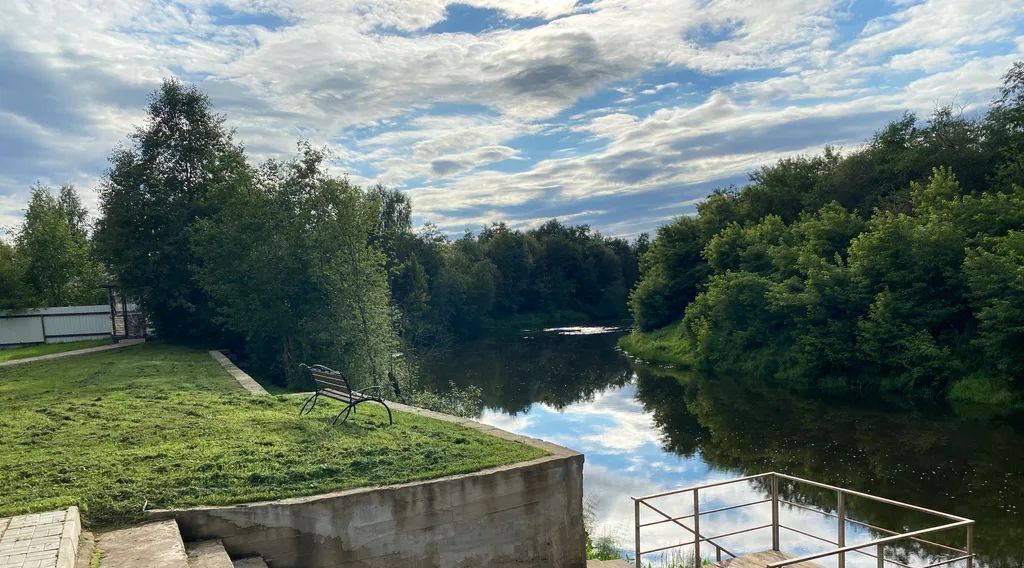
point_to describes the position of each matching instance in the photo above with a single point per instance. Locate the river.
(646, 430)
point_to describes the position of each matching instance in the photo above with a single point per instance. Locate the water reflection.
(556, 368)
(647, 430)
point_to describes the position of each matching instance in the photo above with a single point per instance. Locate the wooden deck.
(762, 559)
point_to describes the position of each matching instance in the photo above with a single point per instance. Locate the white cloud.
(956, 23)
(338, 66)
(927, 59)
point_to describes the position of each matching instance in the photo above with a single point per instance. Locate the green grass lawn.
(47, 348)
(157, 426)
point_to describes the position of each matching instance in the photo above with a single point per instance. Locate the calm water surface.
(646, 430)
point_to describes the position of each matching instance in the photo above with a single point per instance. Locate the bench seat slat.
(342, 396)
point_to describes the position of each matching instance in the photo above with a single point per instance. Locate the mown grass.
(666, 346)
(48, 348)
(157, 426)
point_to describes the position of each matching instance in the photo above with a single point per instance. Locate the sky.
(621, 114)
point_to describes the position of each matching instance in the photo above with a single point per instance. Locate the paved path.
(247, 382)
(63, 354)
(40, 540)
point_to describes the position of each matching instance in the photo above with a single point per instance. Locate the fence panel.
(55, 325)
(16, 330)
(87, 322)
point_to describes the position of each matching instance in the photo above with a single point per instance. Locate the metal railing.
(841, 548)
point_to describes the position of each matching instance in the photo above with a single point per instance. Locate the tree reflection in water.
(932, 458)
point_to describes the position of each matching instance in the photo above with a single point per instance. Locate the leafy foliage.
(51, 262)
(897, 266)
(460, 287)
(287, 261)
(154, 191)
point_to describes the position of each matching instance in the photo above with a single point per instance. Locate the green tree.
(155, 190)
(70, 205)
(894, 266)
(995, 275)
(672, 271)
(289, 263)
(58, 265)
(14, 293)
(1004, 128)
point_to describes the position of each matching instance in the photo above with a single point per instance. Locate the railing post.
(636, 540)
(970, 546)
(841, 528)
(775, 512)
(881, 556)
(696, 530)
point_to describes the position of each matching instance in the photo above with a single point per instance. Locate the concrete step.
(251, 562)
(153, 545)
(608, 564)
(207, 554)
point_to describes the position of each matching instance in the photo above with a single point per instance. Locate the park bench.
(333, 384)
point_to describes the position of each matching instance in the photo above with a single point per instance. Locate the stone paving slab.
(40, 540)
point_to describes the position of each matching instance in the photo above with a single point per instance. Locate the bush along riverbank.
(894, 268)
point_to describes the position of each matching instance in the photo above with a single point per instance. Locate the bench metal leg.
(312, 399)
(347, 411)
(390, 421)
(350, 409)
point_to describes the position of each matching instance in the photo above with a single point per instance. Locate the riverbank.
(664, 346)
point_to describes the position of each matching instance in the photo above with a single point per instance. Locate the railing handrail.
(876, 542)
(841, 549)
(869, 496)
(808, 482)
(867, 526)
(705, 486)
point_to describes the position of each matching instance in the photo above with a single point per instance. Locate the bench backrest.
(331, 381)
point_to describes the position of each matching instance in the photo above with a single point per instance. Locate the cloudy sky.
(617, 113)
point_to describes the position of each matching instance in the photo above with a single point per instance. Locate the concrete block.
(207, 554)
(153, 545)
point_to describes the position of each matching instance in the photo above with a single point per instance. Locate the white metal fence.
(55, 325)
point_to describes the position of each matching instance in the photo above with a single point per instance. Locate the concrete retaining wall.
(527, 514)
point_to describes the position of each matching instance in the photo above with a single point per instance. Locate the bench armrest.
(374, 387)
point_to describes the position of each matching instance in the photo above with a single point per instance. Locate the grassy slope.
(47, 348)
(665, 345)
(162, 426)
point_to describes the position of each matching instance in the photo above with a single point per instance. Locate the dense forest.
(897, 267)
(285, 263)
(504, 278)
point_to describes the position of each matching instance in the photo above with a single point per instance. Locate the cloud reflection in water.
(625, 457)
